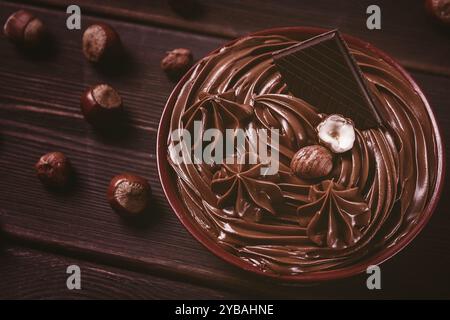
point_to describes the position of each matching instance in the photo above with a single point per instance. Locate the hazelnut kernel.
(336, 133)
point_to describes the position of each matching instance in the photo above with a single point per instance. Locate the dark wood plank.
(31, 274)
(39, 112)
(50, 105)
(407, 32)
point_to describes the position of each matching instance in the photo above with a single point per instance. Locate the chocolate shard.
(323, 72)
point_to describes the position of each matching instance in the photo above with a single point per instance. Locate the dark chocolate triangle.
(323, 72)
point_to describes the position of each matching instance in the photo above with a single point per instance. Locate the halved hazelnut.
(336, 133)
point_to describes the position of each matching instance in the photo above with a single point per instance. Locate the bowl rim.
(171, 192)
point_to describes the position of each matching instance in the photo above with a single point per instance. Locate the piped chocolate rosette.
(289, 223)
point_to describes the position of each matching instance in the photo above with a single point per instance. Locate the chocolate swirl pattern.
(239, 185)
(281, 223)
(335, 216)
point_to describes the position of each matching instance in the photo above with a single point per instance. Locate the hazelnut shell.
(177, 62)
(24, 29)
(101, 105)
(129, 194)
(101, 43)
(312, 162)
(54, 170)
(439, 10)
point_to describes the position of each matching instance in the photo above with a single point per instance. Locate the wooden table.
(43, 232)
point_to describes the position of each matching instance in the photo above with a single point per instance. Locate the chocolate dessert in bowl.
(359, 159)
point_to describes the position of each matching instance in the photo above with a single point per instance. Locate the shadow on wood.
(122, 66)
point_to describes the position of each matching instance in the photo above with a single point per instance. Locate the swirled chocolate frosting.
(284, 224)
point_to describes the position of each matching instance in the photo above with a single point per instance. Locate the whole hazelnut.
(101, 105)
(24, 29)
(439, 10)
(101, 43)
(312, 162)
(129, 194)
(54, 170)
(177, 62)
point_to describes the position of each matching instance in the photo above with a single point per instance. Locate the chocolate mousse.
(304, 218)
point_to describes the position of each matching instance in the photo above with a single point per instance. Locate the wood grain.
(407, 32)
(31, 274)
(39, 111)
